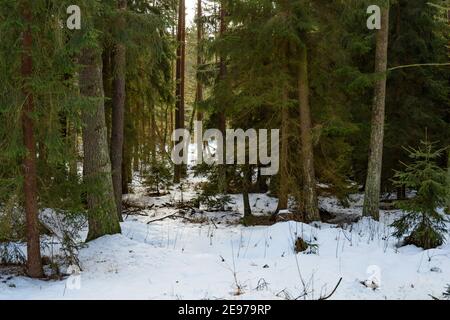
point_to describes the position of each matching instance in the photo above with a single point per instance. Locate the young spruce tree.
(422, 222)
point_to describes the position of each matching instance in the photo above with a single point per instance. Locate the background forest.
(87, 112)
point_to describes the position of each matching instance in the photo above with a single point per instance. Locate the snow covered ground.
(175, 259)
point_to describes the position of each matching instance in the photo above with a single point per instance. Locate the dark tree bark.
(373, 181)
(107, 88)
(118, 111)
(448, 164)
(221, 117)
(310, 204)
(199, 89)
(246, 184)
(34, 262)
(126, 166)
(283, 190)
(180, 79)
(102, 209)
(448, 179)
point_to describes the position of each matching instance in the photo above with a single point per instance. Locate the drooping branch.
(420, 65)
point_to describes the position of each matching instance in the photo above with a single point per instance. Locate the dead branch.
(332, 292)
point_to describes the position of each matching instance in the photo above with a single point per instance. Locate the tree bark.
(310, 206)
(246, 183)
(34, 261)
(199, 90)
(221, 117)
(102, 211)
(180, 79)
(283, 181)
(107, 89)
(118, 111)
(373, 181)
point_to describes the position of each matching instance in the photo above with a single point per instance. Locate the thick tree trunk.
(373, 181)
(102, 209)
(118, 111)
(283, 182)
(34, 262)
(199, 90)
(310, 206)
(180, 79)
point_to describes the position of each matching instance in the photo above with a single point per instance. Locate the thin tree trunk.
(247, 181)
(107, 89)
(125, 169)
(221, 117)
(373, 181)
(310, 207)
(118, 111)
(180, 78)
(102, 209)
(73, 142)
(283, 182)
(126, 150)
(448, 183)
(153, 136)
(34, 262)
(448, 165)
(199, 91)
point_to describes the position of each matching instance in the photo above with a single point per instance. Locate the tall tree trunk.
(373, 181)
(448, 165)
(199, 90)
(310, 205)
(283, 181)
(102, 209)
(34, 262)
(118, 111)
(180, 79)
(221, 117)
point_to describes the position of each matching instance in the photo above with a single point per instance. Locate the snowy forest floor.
(174, 258)
(165, 252)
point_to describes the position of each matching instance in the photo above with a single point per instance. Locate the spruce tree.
(422, 223)
(118, 108)
(180, 80)
(373, 180)
(102, 210)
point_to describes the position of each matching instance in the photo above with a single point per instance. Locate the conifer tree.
(34, 263)
(373, 181)
(199, 88)
(423, 224)
(310, 206)
(102, 210)
(180, 79)
(221, 112)
(118, 109)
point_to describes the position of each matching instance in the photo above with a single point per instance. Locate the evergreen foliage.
(422, 223)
